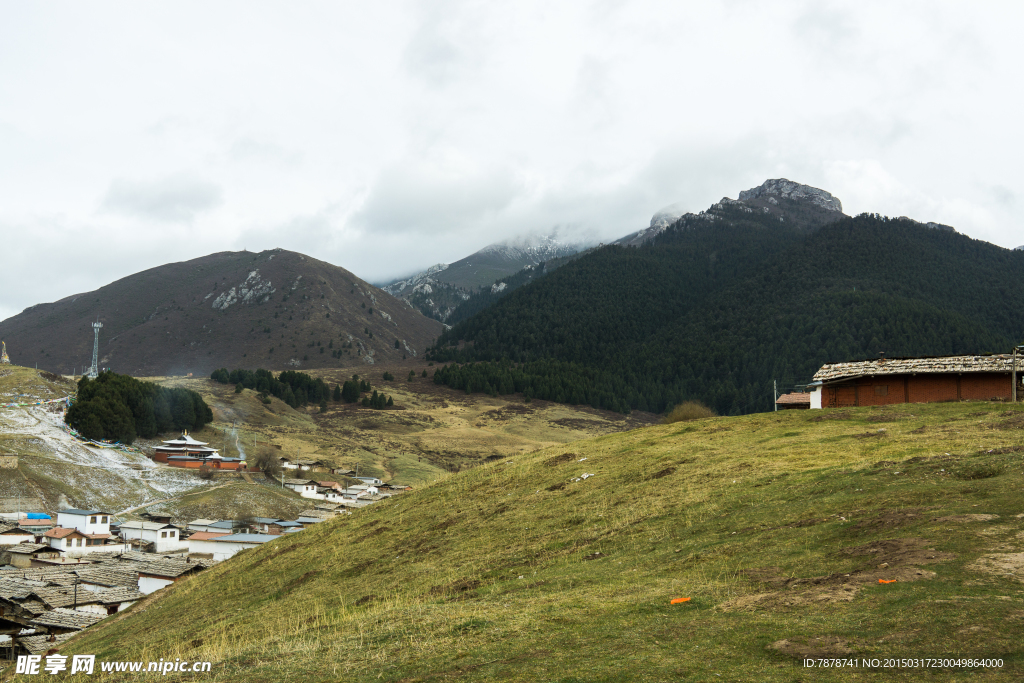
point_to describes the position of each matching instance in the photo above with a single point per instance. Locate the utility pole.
(775, 394)
(1013, 376)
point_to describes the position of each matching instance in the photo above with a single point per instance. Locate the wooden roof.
(67, 618)
(795, 399)
(909, 366)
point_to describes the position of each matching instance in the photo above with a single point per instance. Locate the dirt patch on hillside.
(813, 648)
(458, 587)
(1015, 422)
(960, 519)
(883, 417)
(1010, 565)
(898, 551)
(832, 415)
(821, 590)
(559, 459)
(891, 519)
(661, 473)
(891, 561)
(577, 423)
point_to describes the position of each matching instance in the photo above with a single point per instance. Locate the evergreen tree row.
(121, 408)
(294, 388)
(298, 389)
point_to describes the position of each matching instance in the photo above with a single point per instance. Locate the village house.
(373, 481)
(64, 620)
(12, 534)
(21, 556)
(282, 527)
(222, 547)
(164, 537)
(304, 487)
(200, 543)
(91, 522)
(74, 543)
(262, 524)
(328, 494)
(886, 381)
(221, 526)
(793, 401)
(155, 575)
(36, 523)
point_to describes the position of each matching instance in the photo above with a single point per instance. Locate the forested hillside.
(726, 301)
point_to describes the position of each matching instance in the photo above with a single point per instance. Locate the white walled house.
(157, 574)
(75, 544)
(224, 526)
(201, 543)
(224, 547)
(15, 535)
(304, 487)
(166, 538)
(86, 521)
(329, 494)
(200, 524)
(373, 481)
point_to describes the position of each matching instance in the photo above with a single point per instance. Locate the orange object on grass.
(889, 581)
(676, 601)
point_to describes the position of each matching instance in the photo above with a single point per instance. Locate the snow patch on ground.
(130, 477)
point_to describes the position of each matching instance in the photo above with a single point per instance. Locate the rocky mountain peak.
(667, 216)
(790, 190)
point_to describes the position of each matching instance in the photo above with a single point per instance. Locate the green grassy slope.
(778, 526)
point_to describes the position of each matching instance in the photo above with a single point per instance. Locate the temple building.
(192, 454)
(185, 445)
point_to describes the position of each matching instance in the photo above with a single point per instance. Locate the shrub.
(690, 410)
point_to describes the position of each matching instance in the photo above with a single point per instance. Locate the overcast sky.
(384, 137)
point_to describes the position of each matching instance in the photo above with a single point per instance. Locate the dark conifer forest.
(724, 302)
(120, 408)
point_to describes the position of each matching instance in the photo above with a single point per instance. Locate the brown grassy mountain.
(273, 309)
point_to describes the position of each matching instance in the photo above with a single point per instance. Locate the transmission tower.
(94, 371)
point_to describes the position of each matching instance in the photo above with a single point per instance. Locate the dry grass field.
(865, 533)
(432, 430)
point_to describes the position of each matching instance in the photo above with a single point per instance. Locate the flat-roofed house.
(219, 526)
(86, 521)
(263, 524)
(886, 381)
(166, 538)
(200, 543)
(200, 524)
(224, 547)
(304, 487)
(281, 527)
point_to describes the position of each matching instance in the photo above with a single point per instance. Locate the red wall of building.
(889, 389)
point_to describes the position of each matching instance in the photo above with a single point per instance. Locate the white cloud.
(384, 137)
(176, 198)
